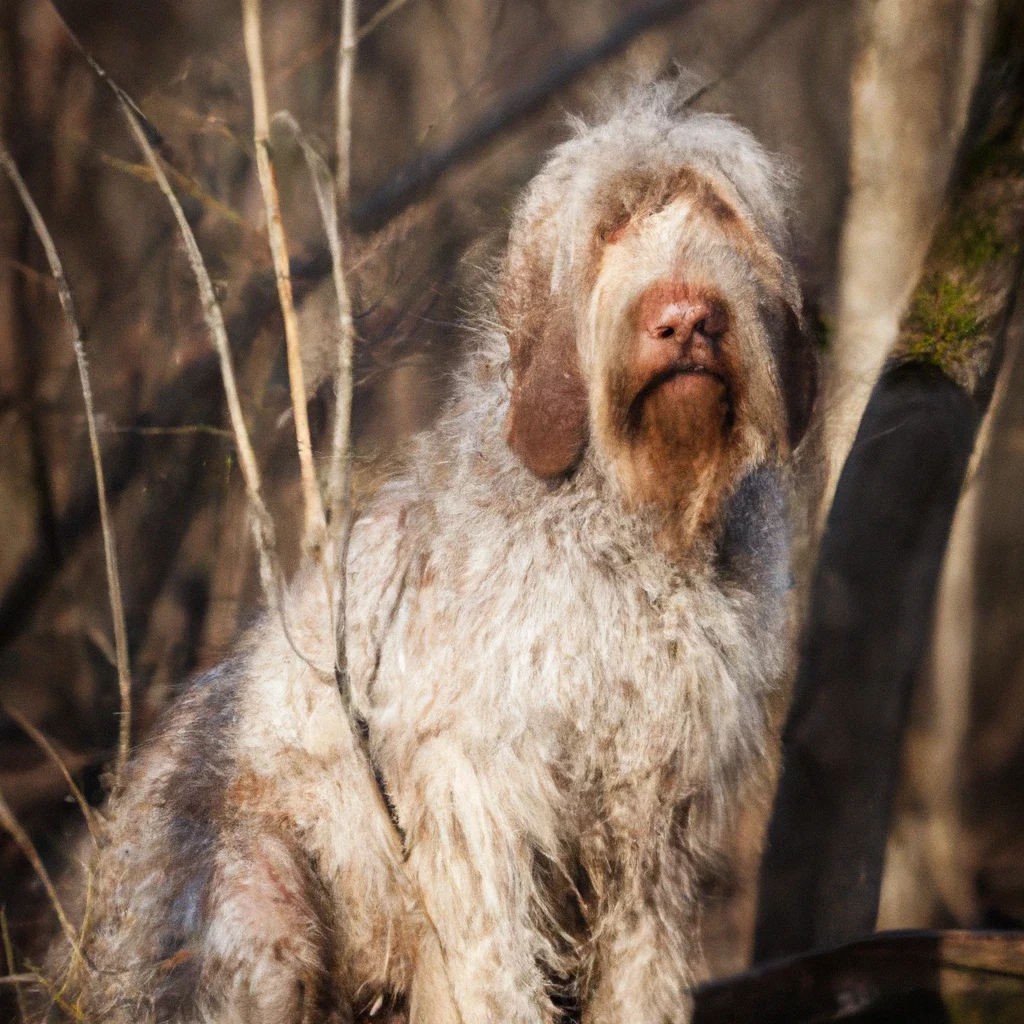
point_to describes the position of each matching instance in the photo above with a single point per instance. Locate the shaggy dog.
(565, 625)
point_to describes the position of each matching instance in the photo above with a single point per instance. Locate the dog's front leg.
(472, 868)
(645, 954)
(642, 972)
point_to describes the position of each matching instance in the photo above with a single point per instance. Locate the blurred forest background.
(455, 101)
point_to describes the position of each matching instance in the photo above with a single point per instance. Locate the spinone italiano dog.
(567, 618)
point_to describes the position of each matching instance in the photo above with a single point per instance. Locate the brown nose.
(677, 322)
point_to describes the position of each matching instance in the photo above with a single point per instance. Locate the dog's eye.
(667, 331)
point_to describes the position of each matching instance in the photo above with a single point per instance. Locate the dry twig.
(263, 524)
(17, 980)
(109, 546)
(51, 752)
(315, 531)
(27, 847)
(346, 68)
(391, 7)
(339, 482)
(339, 479)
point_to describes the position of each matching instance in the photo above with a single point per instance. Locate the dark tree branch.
(395, 195)
(890, 978)
(870, 612)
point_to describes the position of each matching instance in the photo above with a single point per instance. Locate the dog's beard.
(674, 442)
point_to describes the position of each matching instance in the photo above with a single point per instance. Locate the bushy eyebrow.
(646, 191)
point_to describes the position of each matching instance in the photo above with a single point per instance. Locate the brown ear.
(798, 370)
(548, 421)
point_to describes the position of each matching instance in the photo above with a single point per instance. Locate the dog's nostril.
(701, 326)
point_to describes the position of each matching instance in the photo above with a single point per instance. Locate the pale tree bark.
(911, 91)
(910, 96)
(928, 859)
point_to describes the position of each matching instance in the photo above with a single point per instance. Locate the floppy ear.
(548, 419)
(798, 373)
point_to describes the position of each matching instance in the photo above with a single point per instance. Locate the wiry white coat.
(564, 716)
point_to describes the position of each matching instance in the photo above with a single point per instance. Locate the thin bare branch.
(315, 531)
(391, 7)
(109, 546)
(263, 524)
(346, 69)
(27, 847)
(17, 980)
(339, 480)
(185, 430)
(52, 753)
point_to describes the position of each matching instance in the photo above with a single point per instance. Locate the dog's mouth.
(687, 383)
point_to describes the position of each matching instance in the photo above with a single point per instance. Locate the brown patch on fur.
(631, 197)
(179, 958)
(248, 789)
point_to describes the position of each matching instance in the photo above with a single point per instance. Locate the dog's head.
(652, 311)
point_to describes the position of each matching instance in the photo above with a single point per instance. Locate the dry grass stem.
(185, 430)
(27, 847)
(315, 531)
(346, 68)
(263, 524)
(52, 753)
(17, 980)
(339, 479)
(392, 7)
(72, 1011)
(109, 546)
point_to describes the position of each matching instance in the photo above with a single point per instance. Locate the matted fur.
(564, 661)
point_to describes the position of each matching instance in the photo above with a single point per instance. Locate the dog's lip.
(665, 376)
(684, 369)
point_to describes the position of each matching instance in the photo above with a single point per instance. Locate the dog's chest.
(546, 652)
